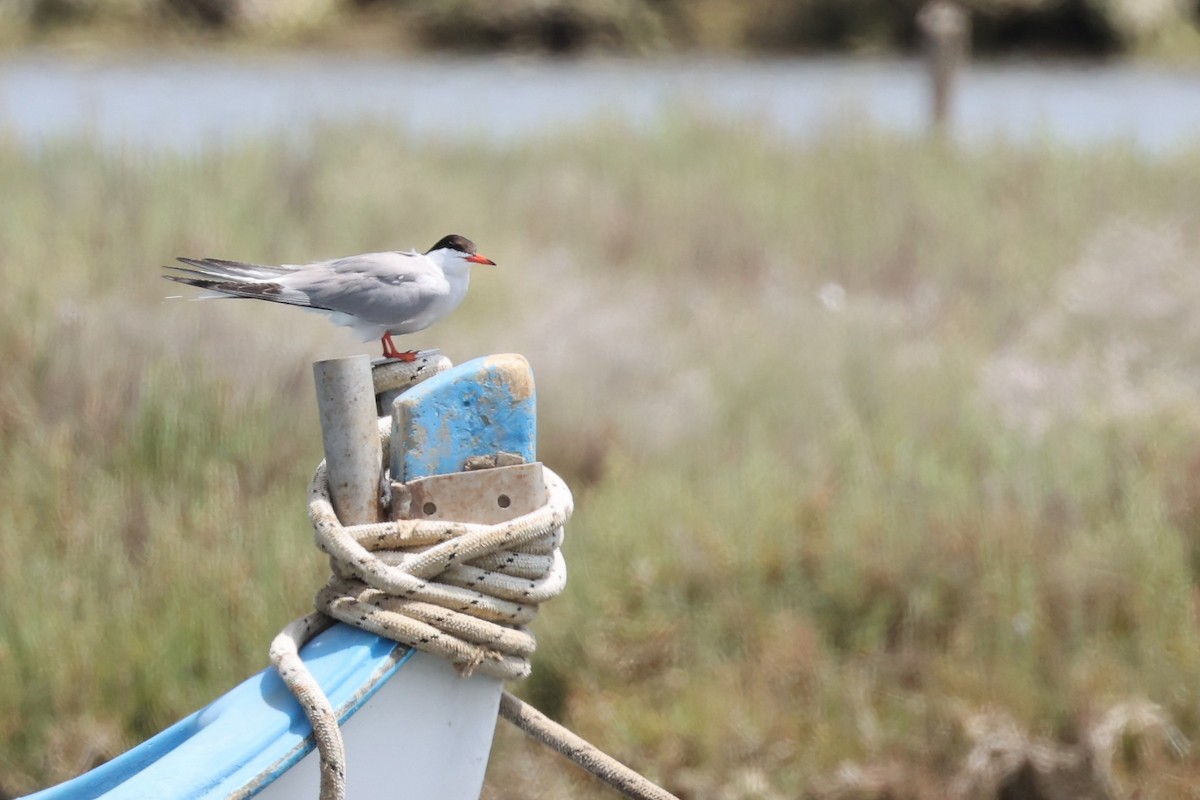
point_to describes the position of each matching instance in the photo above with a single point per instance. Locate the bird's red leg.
(390, 351)
(389, 347)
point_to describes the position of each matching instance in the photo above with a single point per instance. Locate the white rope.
(579, 751)
(462, 591)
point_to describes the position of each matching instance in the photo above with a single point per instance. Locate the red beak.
(481, 259)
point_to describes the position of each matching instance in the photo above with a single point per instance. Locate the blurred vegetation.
(872, 440)
(1093, 27)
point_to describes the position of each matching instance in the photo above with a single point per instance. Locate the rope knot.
(463, 591)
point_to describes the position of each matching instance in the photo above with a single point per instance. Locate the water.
(192, 101)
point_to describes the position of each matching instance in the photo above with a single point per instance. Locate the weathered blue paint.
(478, 408)
(257, 731)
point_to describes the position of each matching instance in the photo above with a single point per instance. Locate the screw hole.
(430, 509)
(503, 501)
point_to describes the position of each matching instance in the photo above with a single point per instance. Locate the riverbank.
(878, 448)
(1166, 29)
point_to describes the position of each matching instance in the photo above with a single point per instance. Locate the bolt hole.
(430, 509)
(503, 501)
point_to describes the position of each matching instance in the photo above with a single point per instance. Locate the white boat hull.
(425, 734)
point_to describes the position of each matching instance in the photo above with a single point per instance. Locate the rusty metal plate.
(485, 496)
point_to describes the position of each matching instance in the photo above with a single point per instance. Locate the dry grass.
(868, 438)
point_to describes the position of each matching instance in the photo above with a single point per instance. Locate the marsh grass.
(840, 484)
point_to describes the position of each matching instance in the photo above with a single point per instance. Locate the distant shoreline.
(633, 28)
(200, 99)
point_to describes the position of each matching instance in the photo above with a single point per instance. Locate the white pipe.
(350, 434)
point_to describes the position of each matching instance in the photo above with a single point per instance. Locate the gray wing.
(237, 279)
(381, 288)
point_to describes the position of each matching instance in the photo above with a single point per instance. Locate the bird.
(377, 295)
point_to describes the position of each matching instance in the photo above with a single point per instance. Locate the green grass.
(808, 531)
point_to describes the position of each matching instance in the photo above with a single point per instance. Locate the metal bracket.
(489, 495)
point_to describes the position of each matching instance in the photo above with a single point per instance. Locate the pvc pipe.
(350, 434)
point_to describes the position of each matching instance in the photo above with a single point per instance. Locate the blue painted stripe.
(256, 729)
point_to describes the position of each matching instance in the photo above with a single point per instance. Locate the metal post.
(350, 434)
(945, 28)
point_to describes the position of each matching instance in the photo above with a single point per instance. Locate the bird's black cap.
(454, 242)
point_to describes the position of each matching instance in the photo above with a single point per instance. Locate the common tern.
(377, 295)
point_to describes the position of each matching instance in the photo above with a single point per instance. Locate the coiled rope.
(462, 591)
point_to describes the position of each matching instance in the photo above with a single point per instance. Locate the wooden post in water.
(350, 434)
(946, 31)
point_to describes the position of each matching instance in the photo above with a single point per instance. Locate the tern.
(377, 295)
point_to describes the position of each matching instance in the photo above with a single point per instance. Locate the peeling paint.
(481, 407)
(516, 369)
